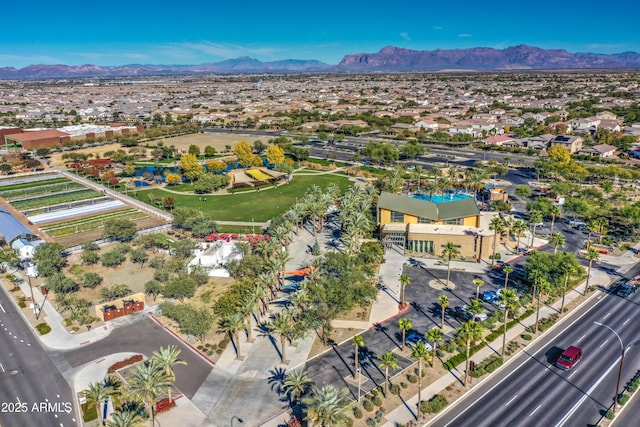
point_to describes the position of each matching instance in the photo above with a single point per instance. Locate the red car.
(569, 358)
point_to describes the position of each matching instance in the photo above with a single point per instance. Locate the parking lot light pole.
(615, 396)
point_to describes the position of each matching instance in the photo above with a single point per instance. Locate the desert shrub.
(412, 378)
(368, 405)
(434, 405)
(357, 412)
(623, 399)
(126, 362)
(403, 384)
(395, 389)
(377, 401)
(526, 337)
(43, 328)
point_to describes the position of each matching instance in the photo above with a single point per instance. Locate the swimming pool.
(443, 198)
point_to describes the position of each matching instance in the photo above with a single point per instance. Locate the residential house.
(497, 140)
(602, 151)
(540, 142)
(611, 125)
(571, 142)
(427, 123)
(606, 115)
(586, 124)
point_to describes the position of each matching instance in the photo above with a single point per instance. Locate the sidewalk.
(59, 338)
(402, 415)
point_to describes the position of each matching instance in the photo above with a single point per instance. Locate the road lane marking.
(512, 399)
(2, 367)
(572, 373)
(525, 361)
(1, 307)
(606, 315)
(605, 341)
(586, 394)
(534, 411)
(626, 321)
(582, 337)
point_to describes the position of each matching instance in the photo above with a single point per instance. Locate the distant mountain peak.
(389, 59)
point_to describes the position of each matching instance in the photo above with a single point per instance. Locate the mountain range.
(388, 59)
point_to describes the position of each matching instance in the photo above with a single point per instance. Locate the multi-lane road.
(33, 393)
(531, 391)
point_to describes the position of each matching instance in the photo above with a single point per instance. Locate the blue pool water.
(141, 184)
(440, 198)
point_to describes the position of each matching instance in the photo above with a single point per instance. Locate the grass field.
(54, 180)
(260, 206)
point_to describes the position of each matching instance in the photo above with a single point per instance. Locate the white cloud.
(29, 59)
(223, 50)
(100, 56)
(405, 36)
(465, 35)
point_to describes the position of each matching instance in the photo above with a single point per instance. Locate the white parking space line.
(626, 321)
(1, 307)
(602, 345)
(572, 373)
(2, 367)
(512, 399)
(534, 411)
(606, 315)
(582, 337)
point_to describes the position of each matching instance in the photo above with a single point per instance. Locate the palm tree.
(508, 300)
(496, 225)
(248, 306)
(443, 300)
(420, 352)
(475, 307)
(388, 360)
(282, 325)
(558, 240)
(478, 283)
(449, 252)
(555, 212)
(327, 407)
(125, 419)
(602, 224)
(418, 173)
(231, 325)
(517, 228)
(568, 270)
(404, 325)
(296, 385)
(145, 384)
(404, 282)
(543, 287)
(507, 270)
(358, 342)
(592, 255)
(259, 294)
(469, 332)
(534, 218)
(436, 336)
(165, 359)
(96, 394)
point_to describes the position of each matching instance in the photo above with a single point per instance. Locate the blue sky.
(198, 31)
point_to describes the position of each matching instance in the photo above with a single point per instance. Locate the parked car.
(490, 297)
(569, 358)
(413, 339)
(466, 314)
(537, 224)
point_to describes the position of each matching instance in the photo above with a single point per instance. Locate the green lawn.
(260, 206)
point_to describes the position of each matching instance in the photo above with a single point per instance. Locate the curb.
(172, 332)
(621, 408)
(403, 311)
(510, 361)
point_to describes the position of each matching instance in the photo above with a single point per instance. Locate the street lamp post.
(615, 396)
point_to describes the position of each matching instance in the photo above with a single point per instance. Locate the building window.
(397, 216)
(424, 220)
(456, 221)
